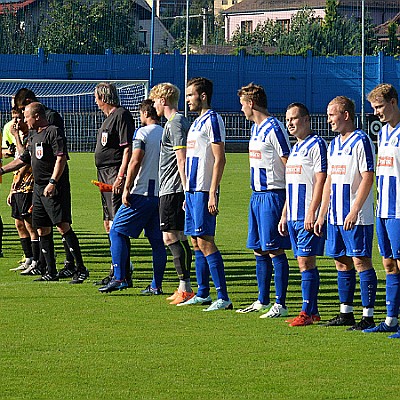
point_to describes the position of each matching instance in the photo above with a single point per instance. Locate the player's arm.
(218, 150)
(282, 225)
(326, 194)
(119, 181)
(319, 181)
(59, 166)
(133, 169)
(363, 191)
(180, 154)
(12, 166)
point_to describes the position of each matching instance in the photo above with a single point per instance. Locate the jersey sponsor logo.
(191, 144)
(338, 170)
(256, 154)
(39, 150)
(294, 169)
(385, 161)
(104, 138)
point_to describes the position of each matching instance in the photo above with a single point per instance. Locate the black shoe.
(113, 286)
(47, 278)
(153, 291)
(129, 283)
(342, 319)
(365, 323)
(104, 281)
(68, 270)
(80, 276)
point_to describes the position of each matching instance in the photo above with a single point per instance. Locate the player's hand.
(350, 221)
(309, 222)
(318, 227)
(9, 199)
(212, 205)
(282, 227)
(118, 185)
(49, 190)
(125, 198)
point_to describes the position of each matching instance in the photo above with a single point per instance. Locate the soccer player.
(172, 182)
(385, 102)
(112, 154)
(205, 162)
(139, 210)
(268, 152)
(305, 177)
(348, 194)
(47, 153)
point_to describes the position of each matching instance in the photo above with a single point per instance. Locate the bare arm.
(282, 226)
(218, 150)
(133, 170)
(318, 188)
(119, 181)
(58, 170)
(363, 192)
(12, 166)
(181, 161)
(326, 194)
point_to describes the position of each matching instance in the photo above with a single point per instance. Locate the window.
(224, 2)
(284, 23)
(246, 26)
(142, 36)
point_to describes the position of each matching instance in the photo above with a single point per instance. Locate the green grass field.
(61, 341)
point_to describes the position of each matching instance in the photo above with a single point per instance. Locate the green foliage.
(80, 27)
(392, 47)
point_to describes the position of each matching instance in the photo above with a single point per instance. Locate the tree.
(392, 47)
(80, 27)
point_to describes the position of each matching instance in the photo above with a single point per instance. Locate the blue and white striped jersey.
(206, 129)
(147, 179)
(306, 159)
(268, 143)
(388, 173)
(346, 162)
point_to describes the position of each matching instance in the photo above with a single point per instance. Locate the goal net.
(74, 100)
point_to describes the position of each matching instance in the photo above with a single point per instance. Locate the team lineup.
(165, 182)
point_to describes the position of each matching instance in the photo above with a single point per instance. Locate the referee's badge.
(104, 138)
(39, 150)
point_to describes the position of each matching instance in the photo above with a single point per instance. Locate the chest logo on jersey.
(104, 138)
(385, 161)
(39, 150)
(255, 154)
(293, 169)
(338, 170)
(191, 144)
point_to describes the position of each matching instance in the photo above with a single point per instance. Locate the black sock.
(68, 255)
(27, 247)
(181, 258)
(35, 249)
(47, 249)
(73, 245)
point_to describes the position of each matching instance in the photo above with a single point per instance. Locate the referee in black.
(48, 155)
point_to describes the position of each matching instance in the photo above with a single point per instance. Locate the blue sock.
(309, 290)
(346, 286)
(119, 253)
(281, 277)
(392, 295)
(216, 265)
(159, 256)
(264, 275)
(368, 284)
(314, 306)
(202, 274)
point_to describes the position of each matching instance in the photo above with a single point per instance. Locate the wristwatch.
(52, 181)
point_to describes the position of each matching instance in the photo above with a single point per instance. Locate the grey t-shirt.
(173, 138)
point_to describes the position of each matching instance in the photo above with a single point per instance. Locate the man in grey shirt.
(172, 183)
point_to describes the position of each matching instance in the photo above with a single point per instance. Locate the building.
(247, 14)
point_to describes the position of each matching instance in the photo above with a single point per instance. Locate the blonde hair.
(345, 104)
(167, 91)
(385, 91)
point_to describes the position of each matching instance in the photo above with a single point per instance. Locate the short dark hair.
(24, 97)
(255, 93)
(302, 108)
(202, 85)
(148, 105)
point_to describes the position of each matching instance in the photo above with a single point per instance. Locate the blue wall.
(311, 80)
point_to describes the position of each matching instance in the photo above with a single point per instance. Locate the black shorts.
(111, 202)
(21, 205)
(50, 211)
(172, 216)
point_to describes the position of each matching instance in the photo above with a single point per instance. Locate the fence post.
(381, 60)
(241, 67)
(309, 80)
(109, 63)
(41, 57)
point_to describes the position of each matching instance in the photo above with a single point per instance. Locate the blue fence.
(311, 80)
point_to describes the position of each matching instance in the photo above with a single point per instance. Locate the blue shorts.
(198, 220)
(388, 233)
(304, 243)
(141, 215)
(265, 212)
(356, 242)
